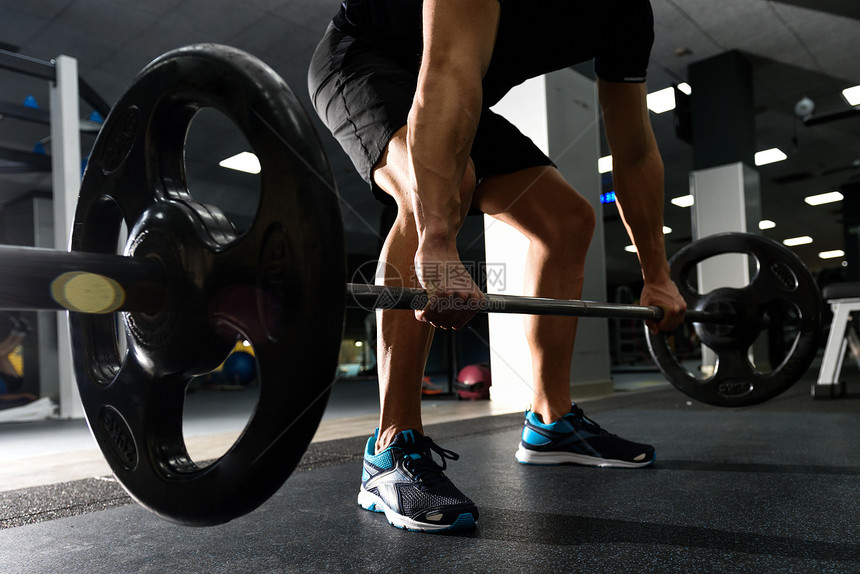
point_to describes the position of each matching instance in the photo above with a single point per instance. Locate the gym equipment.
(187, 286)
(473, 383)
(192, 286)
(781, 295)
(240, 368)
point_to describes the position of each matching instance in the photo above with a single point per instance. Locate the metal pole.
(384, 297)
(66, 176)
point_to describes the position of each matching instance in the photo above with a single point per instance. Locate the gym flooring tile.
(769, 488)
(55, 451)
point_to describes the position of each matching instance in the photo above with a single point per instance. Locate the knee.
(568, 223)
(394, 180)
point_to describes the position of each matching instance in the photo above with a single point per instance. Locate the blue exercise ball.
(240, 368)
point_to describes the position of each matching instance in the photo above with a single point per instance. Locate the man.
(405, 86)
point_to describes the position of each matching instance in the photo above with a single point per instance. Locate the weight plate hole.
(722, 271)
(777, 340)
(216, 152)
(225, 398)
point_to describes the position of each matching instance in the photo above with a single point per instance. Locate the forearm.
(639, 189)
(441, 128)
(458, 43)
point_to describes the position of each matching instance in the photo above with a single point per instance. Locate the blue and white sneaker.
(405, 483)
(575, 438)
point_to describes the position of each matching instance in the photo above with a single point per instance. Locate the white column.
(525, 107)
(66, 168)
(559, 113)
(725, 198)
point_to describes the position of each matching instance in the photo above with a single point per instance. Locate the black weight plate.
(781, 286)
(280, 285)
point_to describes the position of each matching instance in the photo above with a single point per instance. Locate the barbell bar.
(48, 280)
(727, 320)
(389, 297)
(96, 283)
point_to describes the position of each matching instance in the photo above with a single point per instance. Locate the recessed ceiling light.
(802, 240)
(245, 161)
(630, 249)
(667, 230)
(683, 201)
(852, 95)
(771, 155)
(822, 198)
(662, 100)
(831, 254)
(766, 224)
(604, 164)
(685, 87)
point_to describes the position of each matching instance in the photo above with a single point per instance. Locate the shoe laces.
(580, 421)
(424, 468)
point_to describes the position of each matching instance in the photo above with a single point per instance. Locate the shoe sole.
(370, 501)
(526, 456)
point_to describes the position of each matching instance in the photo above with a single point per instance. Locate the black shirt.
(534, 36)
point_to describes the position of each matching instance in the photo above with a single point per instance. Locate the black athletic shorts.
(364, 73)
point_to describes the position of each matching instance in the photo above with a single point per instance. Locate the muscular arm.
(458, 42)
(637, 171)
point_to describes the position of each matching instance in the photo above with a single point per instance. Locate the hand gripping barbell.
(187, 286)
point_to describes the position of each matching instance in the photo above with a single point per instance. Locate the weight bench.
(844, 298)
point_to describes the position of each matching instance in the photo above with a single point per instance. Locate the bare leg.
(559, 224)
(403, 342)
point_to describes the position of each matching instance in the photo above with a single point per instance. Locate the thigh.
(536, 201)
(362, 92)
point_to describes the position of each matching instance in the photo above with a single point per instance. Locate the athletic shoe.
(576, 438)
(428, 387)
(405, 483)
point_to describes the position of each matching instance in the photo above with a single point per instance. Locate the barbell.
(187, 286)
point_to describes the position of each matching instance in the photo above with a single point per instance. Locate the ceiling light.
(823, 198)
(630, 249)
(685, 87)
(771, 155)
(852, 95)
(766, 224)
(831, 254)
(803, 240)
(604, 164)
(667, 230)
(245, 161)
(683, 201)
(662, 100)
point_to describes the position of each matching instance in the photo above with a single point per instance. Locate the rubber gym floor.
(769, 488)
